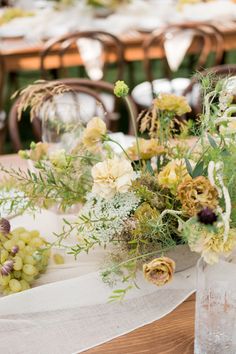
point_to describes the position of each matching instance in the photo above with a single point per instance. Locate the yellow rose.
(38, 151)
(173, 174)
(172, 103)
(112, 176)
(147, 149)
(159, 271)
(93, 133)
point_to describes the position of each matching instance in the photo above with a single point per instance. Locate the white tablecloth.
(138, 15)
(68, 311)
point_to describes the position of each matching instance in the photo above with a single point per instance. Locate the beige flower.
(196, 194)
(112, 176)
(159, 271)
(93, 133)
(172, 103)
(173, 174)
(211, 244)
(58, 158)
(38, 151)
(147, 148)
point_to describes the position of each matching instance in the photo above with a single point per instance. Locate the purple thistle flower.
(7, 267)
(14, 250)
(5, 226)
(207, 216)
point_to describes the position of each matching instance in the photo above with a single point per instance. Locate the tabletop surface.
(15, 46)
(173, 334)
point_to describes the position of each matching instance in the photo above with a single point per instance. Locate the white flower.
(112, 176)
(106, 217)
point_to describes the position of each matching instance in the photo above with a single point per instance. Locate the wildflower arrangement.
(57, 179)
(159, 194)
(164, 191)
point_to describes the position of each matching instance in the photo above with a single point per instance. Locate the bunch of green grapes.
(23, 257)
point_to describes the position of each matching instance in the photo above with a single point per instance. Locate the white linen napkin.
(213, 10)
(91, 52)
(176, 46)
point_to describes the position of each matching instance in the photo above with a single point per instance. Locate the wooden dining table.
(172, 334)
(22, 54)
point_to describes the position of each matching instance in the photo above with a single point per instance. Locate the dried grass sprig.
(33, 96)
(148, 121)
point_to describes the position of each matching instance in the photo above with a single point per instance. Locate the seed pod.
(207, 216)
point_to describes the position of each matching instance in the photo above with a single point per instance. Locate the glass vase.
(215, 322)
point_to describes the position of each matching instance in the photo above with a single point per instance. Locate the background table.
(173, 334)
(24, 55)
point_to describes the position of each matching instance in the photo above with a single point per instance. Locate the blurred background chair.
(97, 49)
(211, 41)
(75, 102)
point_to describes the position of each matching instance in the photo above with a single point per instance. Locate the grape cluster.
(23, 257)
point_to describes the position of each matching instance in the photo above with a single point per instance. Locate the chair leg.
(3, 133)
(13, 78)
(224, 58)
(54, 73)
(131, 70)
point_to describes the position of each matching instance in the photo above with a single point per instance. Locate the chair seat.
(142, 93)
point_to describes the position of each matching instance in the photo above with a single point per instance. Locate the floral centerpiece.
(164, 191)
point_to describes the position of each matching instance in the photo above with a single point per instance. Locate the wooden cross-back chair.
(60, 49)
(94, 89)
(210, 40)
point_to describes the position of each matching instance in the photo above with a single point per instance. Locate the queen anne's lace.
(102, 219)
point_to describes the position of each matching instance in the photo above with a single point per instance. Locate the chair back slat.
(210, 38)
(62, 45)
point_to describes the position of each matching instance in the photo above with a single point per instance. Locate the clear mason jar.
(215, 322)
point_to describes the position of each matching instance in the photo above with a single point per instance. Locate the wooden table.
(173, 334)
(23, 55)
